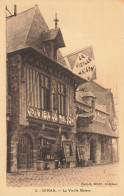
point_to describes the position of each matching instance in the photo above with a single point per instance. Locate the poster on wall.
(81, 152)
(69, 151)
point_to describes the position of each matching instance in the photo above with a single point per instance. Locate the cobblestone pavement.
(67, 177)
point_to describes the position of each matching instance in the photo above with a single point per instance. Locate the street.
(100, 175)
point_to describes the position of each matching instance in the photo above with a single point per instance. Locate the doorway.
(92, 150)
(25, 153)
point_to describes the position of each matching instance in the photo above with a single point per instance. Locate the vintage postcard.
(61, 97)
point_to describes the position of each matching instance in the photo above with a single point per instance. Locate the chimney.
(15, 10)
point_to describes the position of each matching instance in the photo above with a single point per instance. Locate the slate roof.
(87, 94)
(29, 29)
(101, 108)
(62, 62)
(103, 96)
(24, 28)
(49, 35)
(98, 128)
(79, 98)
(53, 34)
(98, 91)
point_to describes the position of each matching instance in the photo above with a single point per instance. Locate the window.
(54, 95)
(102, 146)
(61, 99)
(44, 149)
(32, 88)
(45, 92)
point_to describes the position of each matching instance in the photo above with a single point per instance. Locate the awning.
(98, 128)
(45, 136)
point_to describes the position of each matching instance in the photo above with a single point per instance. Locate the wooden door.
(25, 153)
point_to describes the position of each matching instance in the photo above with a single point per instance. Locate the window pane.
(47, 99)
(58, 87)
(47, 82)
(54, 101)
(42, 80)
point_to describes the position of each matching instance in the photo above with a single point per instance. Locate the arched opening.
(25, 152)
(92, 150)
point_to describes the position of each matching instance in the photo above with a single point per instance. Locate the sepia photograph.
(63, 64)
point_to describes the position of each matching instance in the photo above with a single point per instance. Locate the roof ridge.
(20, 13)
(99, 85)
(26, 10)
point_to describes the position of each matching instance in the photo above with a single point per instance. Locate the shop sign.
(62, 119)
(54, 117)
(34, 112)
(69, 120)
(49, 116)
(46, 115)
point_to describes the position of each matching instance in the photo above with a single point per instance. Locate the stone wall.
(22, 94)
(14, 64)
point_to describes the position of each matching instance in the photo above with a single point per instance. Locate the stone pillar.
(34, 159)
(13, 158)
(72, 137)
(98, 152)
(115, 150)
(74, 129)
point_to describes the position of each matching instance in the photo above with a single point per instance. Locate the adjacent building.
(96, 124)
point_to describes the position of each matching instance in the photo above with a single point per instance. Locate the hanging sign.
(82, 63)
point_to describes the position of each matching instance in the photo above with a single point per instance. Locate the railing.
(49, 116)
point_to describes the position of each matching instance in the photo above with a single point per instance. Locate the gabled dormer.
(90, 98)
(52, 40)
(28, 29)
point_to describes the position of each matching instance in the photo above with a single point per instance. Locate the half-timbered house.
(42, 120)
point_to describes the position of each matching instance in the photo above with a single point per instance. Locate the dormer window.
(52, 41)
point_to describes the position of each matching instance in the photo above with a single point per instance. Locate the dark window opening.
(45, 92)
(45, 149)
(61, 99)
(102, 146)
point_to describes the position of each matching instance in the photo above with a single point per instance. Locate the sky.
(83, 23)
